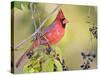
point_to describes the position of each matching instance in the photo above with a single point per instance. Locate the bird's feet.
(29, 54)
(48, 49)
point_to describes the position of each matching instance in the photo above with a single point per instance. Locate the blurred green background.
(76, 38)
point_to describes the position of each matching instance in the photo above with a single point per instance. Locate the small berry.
(58, 59)
(88, 55)
(94, 55)
(82, 54)
(88, 66)
(57, 54)
(91, 59)
(65, 69)
(82, 66)
(55, 68)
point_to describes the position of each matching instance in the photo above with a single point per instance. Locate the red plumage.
(53, 34)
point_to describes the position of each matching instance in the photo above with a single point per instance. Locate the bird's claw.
(29, 54)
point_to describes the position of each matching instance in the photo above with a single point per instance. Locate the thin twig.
(47, 17)
(38, 14)
(41, 25)
(33, 18)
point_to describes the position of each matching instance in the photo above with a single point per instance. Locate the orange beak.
(65, 21)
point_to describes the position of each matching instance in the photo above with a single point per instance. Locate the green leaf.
(58, 64)
(58, 51)
(32, 66)
(48, 65)
(47, 61)
(27, 68)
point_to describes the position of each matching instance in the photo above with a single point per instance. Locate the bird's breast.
(55, 33)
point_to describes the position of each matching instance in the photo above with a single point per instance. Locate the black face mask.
(63, 24)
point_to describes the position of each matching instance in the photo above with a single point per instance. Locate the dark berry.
(65, 69)
(57, 54)
(89, 55)
(94, 55)
(63, 66)
(90, 29)
(85, 67)
(88, 66)
(55, 68)
(58, 59)
(82, 66)
(91, 59)
(84, 56)
(29, 54)
(48, 50)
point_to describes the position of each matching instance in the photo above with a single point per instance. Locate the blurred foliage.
(43, 62)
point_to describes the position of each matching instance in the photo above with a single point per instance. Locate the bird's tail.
(24, 56)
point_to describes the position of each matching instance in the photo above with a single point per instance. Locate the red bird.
(52, 34)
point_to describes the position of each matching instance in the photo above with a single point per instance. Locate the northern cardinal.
(53, 35)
